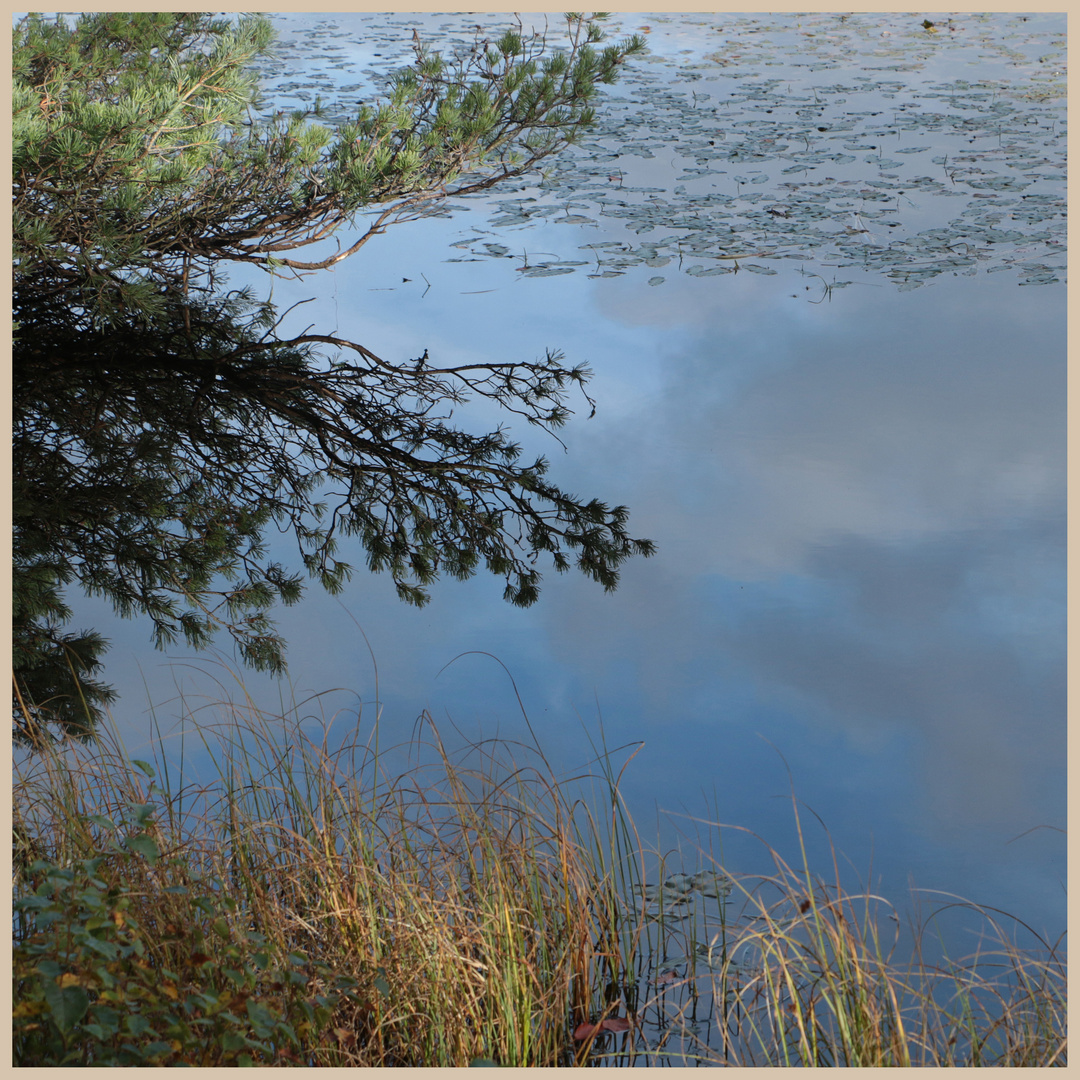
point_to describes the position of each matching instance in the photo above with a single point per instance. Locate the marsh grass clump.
(795, 970)
(448, 914)
(308, 905)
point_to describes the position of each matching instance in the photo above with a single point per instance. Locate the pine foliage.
(162, 425)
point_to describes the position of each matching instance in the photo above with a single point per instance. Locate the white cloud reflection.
(861, 511)
(859, 507)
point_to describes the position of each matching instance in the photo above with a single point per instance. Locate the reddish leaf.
(612, 1023)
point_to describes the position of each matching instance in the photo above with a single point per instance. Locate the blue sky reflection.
(860, 511)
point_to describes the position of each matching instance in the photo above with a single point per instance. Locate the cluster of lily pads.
(678, 889)
(850, 143)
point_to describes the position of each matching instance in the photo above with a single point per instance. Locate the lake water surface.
(816, 264)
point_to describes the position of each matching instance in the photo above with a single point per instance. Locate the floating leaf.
(586, 1031)
(546, 271)
(615, 1024)
(679, 882)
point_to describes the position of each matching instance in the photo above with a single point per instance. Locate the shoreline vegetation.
(309, 908)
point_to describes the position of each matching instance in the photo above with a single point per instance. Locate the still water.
(816, 264)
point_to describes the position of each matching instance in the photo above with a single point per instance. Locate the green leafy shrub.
(91, 989)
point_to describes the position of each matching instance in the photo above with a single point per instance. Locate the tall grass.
(804, 975)
(477, 908)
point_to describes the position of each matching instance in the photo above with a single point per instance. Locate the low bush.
(115, 965)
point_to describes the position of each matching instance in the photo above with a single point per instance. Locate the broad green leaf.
(67, 1005)
(143, 845)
